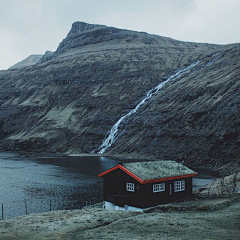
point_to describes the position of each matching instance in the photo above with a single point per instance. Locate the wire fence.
(14, 209)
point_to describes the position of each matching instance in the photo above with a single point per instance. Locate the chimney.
(120, 162)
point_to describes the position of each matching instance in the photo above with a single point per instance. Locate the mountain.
(47, 56)
(29, 61)
(69, 100)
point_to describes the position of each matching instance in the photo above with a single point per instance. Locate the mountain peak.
(83, 34)
(80, 27)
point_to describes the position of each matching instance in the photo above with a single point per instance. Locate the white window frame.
(130, 187)
(179, 186)
(159, 187)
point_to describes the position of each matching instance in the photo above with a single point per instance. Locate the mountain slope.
(196, 118)
(70, 99)
(29, 61)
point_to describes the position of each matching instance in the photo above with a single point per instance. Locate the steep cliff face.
(72, 97)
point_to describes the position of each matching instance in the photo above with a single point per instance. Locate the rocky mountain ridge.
(29, 61)
(71, 98)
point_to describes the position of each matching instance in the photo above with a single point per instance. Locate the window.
(130, 187)
(179, 186)
(159, 187)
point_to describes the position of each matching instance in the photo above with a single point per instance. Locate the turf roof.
(157, 169)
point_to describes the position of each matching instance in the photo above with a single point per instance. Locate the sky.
(35, 26)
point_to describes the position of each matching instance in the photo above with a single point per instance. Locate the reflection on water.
(104, 164)
(67, 181)
(199, 182)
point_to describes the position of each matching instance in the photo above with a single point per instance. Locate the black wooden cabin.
(139, 185)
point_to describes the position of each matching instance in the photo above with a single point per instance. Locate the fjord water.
(67, 181)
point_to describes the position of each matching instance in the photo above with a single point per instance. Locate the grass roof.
(157, 169)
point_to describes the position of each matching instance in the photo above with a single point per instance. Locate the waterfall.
(114, 132)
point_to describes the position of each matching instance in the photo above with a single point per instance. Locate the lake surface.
(69, 182)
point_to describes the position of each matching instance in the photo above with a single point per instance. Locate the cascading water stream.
(114, 132)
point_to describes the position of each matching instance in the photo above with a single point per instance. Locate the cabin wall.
(114, 190)
(111, 185)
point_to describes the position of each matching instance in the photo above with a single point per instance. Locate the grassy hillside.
(199, 219)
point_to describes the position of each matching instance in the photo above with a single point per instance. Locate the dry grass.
(206, 218)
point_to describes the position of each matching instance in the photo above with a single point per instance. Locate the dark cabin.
(139, 185)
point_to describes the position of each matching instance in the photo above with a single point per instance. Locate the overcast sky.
(35, 26)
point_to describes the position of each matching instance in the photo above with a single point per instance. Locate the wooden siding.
(114, 190)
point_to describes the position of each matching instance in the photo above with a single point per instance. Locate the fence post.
(2, 210)
(94, 201)
(26, 207)
(50, 205)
